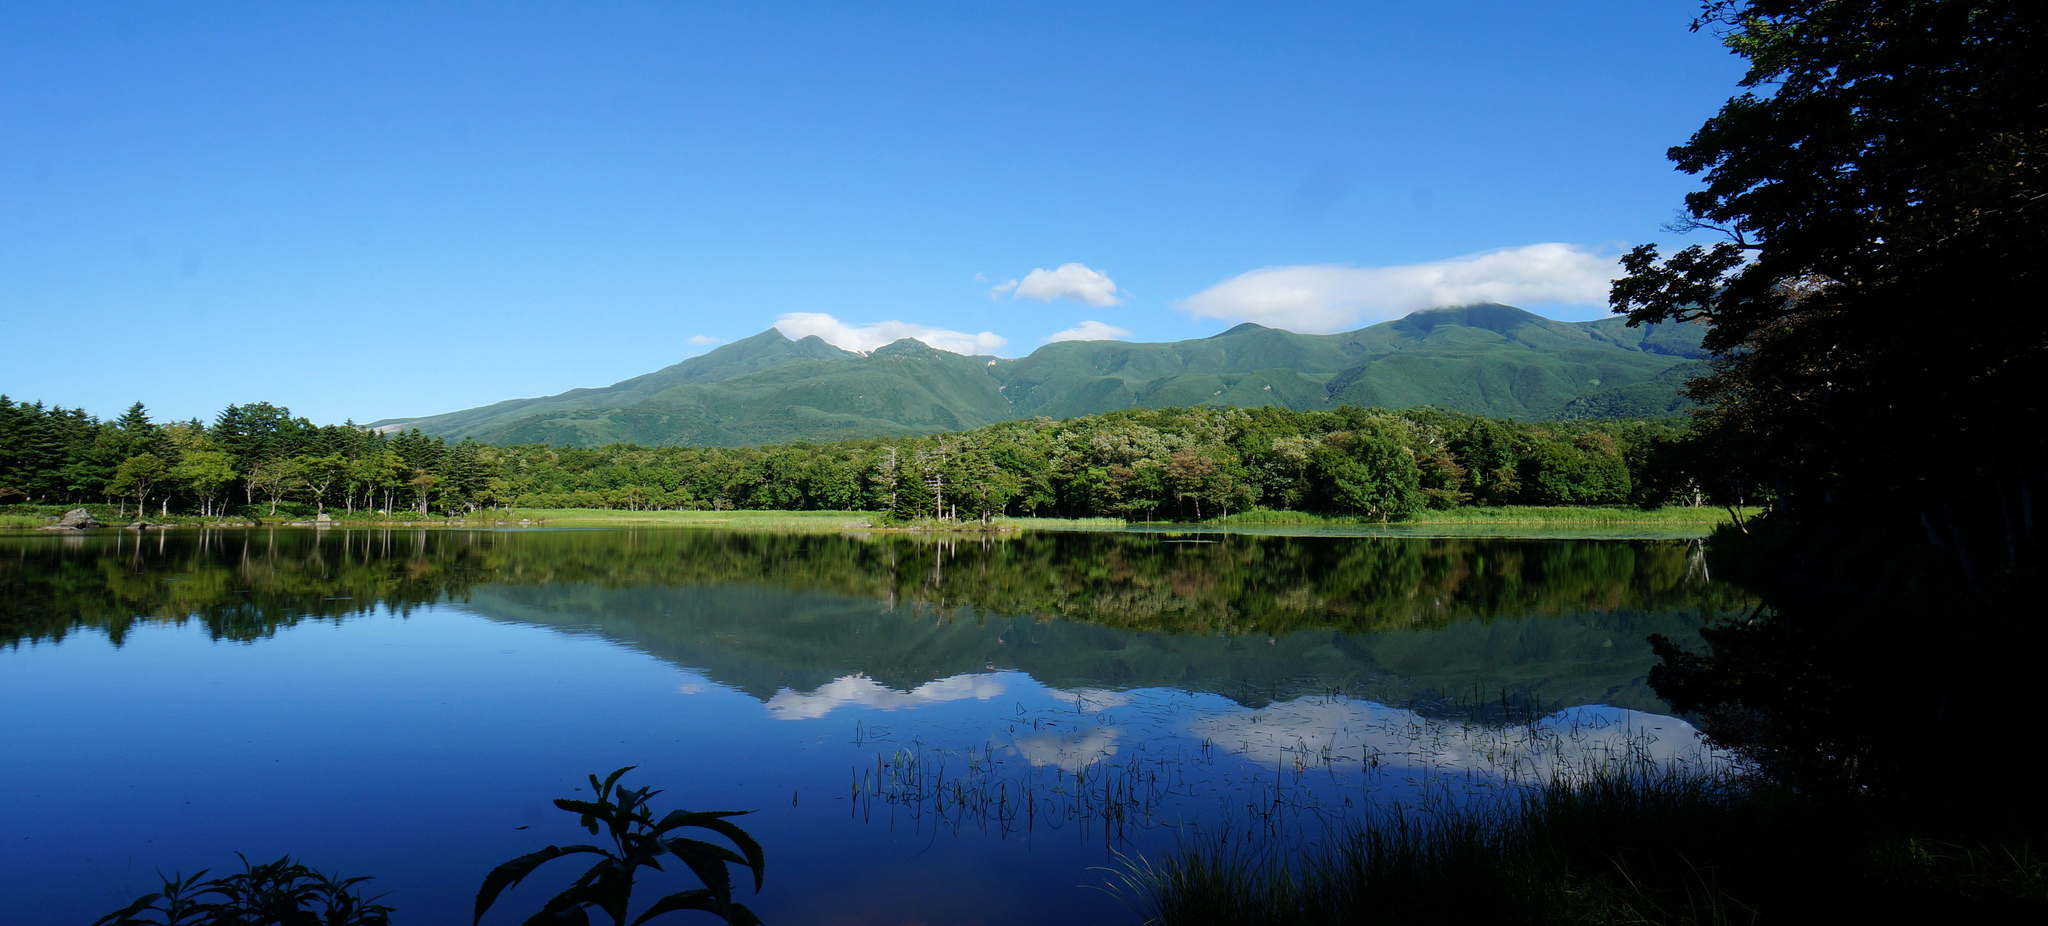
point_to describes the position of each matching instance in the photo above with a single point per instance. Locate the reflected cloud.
(1070, 751)
(862, 691)
(1565, 745)
(1095, 699)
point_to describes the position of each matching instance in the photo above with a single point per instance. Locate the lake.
(928, 729)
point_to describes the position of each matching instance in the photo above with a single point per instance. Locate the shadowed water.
(931, 730)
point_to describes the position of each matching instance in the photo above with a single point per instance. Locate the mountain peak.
(904, 347)
(1485, 359)
(1491, 316)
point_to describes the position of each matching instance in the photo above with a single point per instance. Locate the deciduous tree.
(1881, 183)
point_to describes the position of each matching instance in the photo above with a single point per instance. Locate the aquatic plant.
(1637, 846)
(638, 841)
(280, 893)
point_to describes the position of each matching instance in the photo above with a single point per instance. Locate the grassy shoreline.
(1617, 849)
(1509, 514)
(1505, 521)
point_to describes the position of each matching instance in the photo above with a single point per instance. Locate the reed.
(1627, 848)
(1503, 515)
(982, 790)
(1529, 514)
(795, 521)
(718, 520)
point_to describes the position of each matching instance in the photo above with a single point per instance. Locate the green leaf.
(516, 870)
(708, 861)
(125, 915)
(699, 899)
(613, 890)
(612, 779)
(564, 909)
(586, 808)
(590, 812)
(714, 820)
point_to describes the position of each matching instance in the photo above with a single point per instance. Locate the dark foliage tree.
(1881, 184)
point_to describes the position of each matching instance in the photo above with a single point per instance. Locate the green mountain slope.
(1488, 359)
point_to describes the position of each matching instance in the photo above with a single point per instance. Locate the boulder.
(77, 519)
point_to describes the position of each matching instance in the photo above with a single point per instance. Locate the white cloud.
(1070, 281)
(1089, 331)
(799, 325)
(1324, 298)
(703, 339)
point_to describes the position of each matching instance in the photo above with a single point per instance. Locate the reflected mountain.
(803, 622)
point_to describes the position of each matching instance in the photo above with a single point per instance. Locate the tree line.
(250, 455)
(1178, 463)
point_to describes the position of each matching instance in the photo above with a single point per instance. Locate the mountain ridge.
(1486, 359)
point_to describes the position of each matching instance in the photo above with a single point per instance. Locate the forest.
(1176, 463)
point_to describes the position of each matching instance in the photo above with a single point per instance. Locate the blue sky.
(376, 210)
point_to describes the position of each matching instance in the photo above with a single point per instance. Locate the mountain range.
(1487, 359)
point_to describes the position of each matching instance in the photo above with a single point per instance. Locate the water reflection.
(861, 691)
(869, 694)
(806, 621)
(1120, 768)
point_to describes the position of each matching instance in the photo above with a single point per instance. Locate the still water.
(928, 730)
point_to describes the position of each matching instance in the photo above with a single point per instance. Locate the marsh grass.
(1257, 776)
(1529, 514)
(721, 520)
(1263, 516)
(1516, 519)
(886, 521)
(1635, 847)
(1524, 522)
(1504, 515)
(794, 521)
(982, 790)
(1612, 849)
(1067, 524)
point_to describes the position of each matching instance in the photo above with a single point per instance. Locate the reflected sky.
(407, 708)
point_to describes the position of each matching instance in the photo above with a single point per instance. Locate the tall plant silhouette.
(280, 893)
(638, 841)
